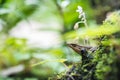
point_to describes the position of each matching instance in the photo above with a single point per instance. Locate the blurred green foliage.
(13, 51)
(12, 11)
(42, 63)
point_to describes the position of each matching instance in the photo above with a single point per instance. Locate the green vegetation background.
(15, 51)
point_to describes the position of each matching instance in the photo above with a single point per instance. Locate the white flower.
(83, 16)
(79, 10)
(76, 26)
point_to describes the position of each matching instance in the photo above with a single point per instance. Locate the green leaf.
(55, 60)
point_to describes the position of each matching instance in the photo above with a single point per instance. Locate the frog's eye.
(83, 50)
